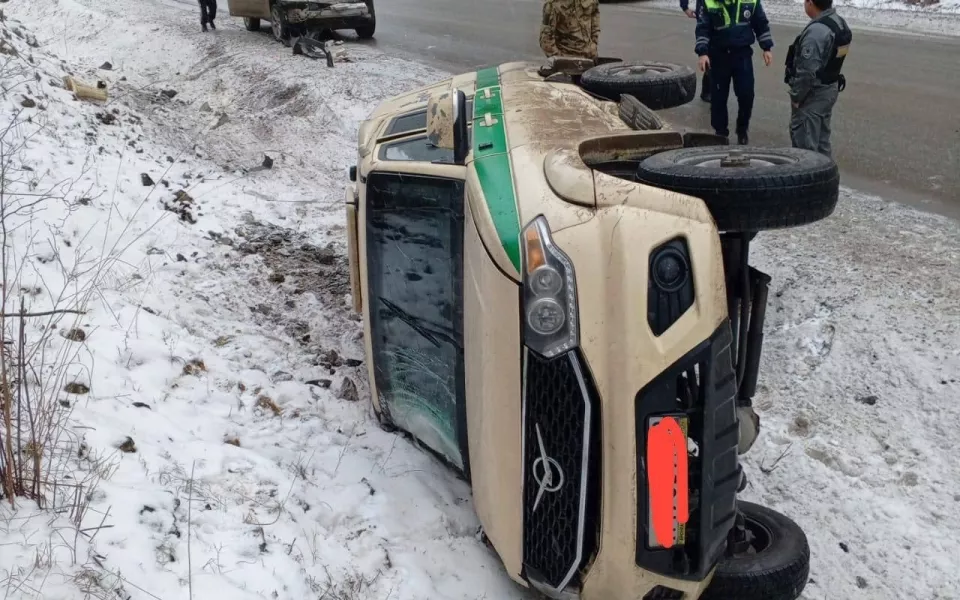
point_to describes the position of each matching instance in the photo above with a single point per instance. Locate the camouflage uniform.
(570, 28)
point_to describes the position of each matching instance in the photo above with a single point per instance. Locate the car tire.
(278, 24)
(251, 23)
(657, 85)
(777, 570)
(365, 32)
(637, 115)
(781, 187)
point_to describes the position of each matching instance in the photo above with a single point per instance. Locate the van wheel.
(637, 115)
(365, 32)
(278, 24)
(657, 85)
(749, 189)
(251, 23)
(772, 564)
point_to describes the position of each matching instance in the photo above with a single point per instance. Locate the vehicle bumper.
(347, 13)
(590, 538)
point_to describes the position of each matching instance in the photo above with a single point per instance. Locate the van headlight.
(549, 293)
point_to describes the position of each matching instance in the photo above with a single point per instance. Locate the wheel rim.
(632, 70)
(275, 24)
(723, 158)
(759, 538)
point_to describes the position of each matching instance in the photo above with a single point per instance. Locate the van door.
(414, 266)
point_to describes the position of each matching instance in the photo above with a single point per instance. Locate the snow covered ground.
(226, 417)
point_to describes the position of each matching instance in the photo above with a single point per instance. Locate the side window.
(415, 121)
(417, 148)
(415, 269)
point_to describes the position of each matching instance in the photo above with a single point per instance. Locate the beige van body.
(550, 437)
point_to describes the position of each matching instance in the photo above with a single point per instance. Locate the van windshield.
(414, 230)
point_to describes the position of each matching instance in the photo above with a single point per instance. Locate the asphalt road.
(896, 129)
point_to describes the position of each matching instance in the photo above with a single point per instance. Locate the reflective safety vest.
(830, 72)
(728, 13)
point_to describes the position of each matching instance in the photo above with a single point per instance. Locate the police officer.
(813, 74)
(726, 31)
(208, 12)
(570, 28)
(705, 86)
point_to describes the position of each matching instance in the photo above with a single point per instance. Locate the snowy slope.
(198, 334)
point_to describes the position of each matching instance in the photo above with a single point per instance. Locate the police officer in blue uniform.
(705, 86)
(726, 31)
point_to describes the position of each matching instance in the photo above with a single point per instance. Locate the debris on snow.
(348, 391)
(76, 335)
(75, 387)
(127, 446)
(265, 402)
(182, 205)
(83, 91)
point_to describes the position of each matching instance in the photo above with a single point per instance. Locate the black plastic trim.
(667, 303)
(714, 474)
(552, 579)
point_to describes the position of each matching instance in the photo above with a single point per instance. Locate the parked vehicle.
(558, 304)
(289, 18)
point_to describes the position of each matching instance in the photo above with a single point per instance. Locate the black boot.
(203, 26)
(212, 25)
(743, 139)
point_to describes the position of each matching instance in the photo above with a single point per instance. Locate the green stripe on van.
(488, 77)
(491, 160)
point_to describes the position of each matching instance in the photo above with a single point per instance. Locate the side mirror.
(447, 123)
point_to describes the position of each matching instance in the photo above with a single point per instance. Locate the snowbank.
(217, 339)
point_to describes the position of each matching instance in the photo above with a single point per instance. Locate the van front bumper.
(587, 530)
(320, 14)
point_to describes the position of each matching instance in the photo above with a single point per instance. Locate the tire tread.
(658, 91)
(751, 199)
(788, 565)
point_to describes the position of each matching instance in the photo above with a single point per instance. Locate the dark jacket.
(749, 27)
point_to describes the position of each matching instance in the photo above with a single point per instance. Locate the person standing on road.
(570, 28)
(705, 86)
(813, 74)
(726, 31)
(208, 12)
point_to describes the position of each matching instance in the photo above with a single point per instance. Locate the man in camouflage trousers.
(570, 28)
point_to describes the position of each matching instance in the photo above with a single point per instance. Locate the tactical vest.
(830, 72)
(720, 16)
